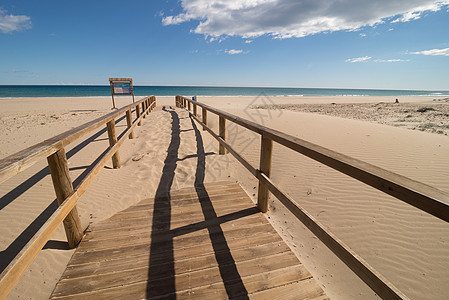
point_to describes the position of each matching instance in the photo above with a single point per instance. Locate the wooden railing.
(67, 196)
(421, 196)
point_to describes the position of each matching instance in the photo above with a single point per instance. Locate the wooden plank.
(104, 237)
(59, 170)
(181, 215)
(197, 250)
(129, 123)
(221, 133)
(191, 203)
(163, 238)
(188, 194)
(149, 203)
(143, 110)
(185, 280)
(112, 141)
(139, 119)
(204, 117)
(247, 221)
(210, 193)
(121, 79)
(22, 160)
(253, 284)
(266, 150)
(175, 224)
(181, 266)
(303, 289)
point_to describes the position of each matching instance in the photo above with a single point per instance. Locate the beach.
(405, 245)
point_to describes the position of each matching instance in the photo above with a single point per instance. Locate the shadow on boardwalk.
(165, 285)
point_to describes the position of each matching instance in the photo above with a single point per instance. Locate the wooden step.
(206, 242)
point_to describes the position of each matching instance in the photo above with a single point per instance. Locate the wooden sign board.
(120, 87)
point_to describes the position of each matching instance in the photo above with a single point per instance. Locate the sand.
(408, 247)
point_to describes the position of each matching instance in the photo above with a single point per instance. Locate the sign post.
(121, 86)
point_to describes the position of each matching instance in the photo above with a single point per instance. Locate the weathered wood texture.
(112, 141)
(57, 162)
(266, 150)
(129, 123)
(222, 133)
(204, 116)
(196, 243)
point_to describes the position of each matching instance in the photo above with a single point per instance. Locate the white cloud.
(174, 20)
(296, 18)
(369, 58)
(417, 12)
(391, 60)
(444, 52)
(358, 59)
(233, 51)
(10, 23)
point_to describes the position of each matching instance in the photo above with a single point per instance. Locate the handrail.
(422, 196)
(18, 162)
(67, 197)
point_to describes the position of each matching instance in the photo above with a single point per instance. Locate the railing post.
(184, 103)
(148, 105)
(138, 114)
(222, 133)
(129, 123)
(266, 149)
(190, 105)
(112, 141)
(204, 115)
(194, 106)
(143, 109)
(57, 162)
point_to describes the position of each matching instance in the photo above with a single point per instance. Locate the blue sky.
(400, 44)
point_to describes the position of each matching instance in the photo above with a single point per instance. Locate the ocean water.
(15, 91)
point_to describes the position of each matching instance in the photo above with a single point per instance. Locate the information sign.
(121, 86)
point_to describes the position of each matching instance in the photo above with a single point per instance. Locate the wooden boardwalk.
(208, 242)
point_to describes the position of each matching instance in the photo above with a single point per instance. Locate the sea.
(20, 91)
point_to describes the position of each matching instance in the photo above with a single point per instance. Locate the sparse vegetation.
(424, 109)
(405, 116)
(427, 126)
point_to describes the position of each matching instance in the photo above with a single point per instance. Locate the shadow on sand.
(7, 255)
